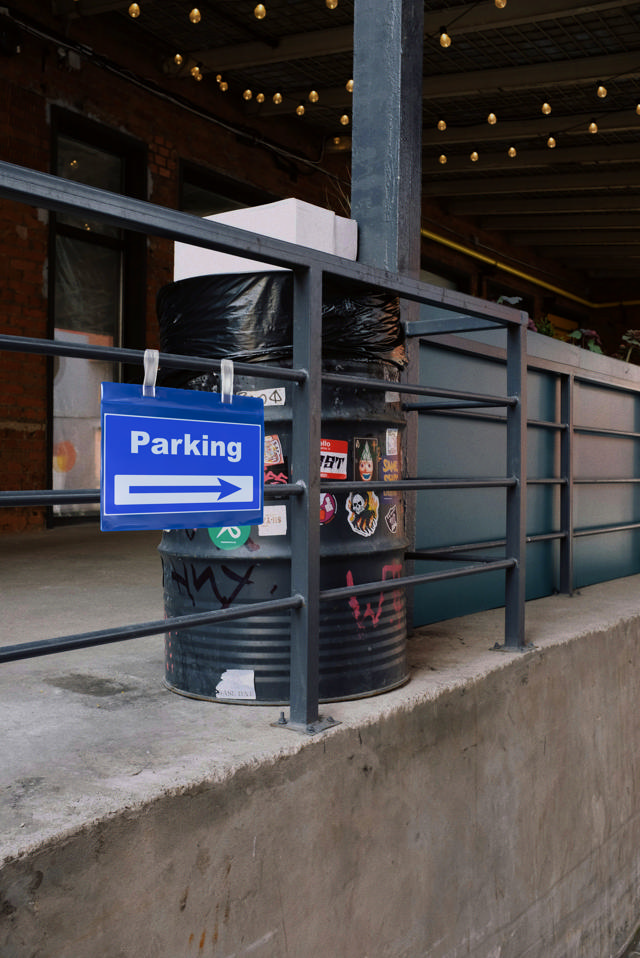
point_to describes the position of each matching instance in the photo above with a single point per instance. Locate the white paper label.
(236, 684)
(272, 396)
(274, 521)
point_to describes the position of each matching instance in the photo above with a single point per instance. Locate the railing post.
(566, 489)
(304, 509)
(516, 495)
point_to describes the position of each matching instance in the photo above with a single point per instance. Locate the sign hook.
(151, 361)
(226, 380)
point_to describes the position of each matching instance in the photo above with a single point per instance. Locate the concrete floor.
(89, 733)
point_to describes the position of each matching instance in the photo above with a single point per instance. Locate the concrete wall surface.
(487, 809)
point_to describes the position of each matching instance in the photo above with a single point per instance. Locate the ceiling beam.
(551, 204)
(547, 182)
(576, 238)
(605, 153)
(511, 131)
(562, 221)
(545, 76)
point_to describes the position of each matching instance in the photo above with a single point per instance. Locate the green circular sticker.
(229, 537)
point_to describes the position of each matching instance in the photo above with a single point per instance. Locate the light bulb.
(593, 127)
(247, 94)
(442, 159)
(601, 91)
(551, 143)
(511, 151)
(474, 157)
(178, 59)
(314, 96)
(199, 77)
(349, 86)
(638, 108)
(331, 4)
(337, 141)
(445, 39)
(344, 119)
(492, 118)
(194, 71)
(224, 86)
(260, 11)
(500, 4)
(300, 109)
(259, 97)
(546, 108)
(442, 125)
(134, 10)
(277, 98)
(218, 78)
(195, 16)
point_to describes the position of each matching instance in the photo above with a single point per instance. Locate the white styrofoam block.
(291, 220)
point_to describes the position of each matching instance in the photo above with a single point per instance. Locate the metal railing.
(455, 313)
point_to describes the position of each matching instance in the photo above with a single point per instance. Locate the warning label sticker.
(333, 458)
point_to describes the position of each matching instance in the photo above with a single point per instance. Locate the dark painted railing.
(455, 312)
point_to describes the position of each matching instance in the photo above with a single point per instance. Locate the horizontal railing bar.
(551, 481)
(380, 485)
(85, 640)
(56, 193)
(448, 552)
(382, 385)
(446, 407)
(58, 347)
(600, 530)
(603, 431)
(629, 480)
(444, 555)
(387, 585)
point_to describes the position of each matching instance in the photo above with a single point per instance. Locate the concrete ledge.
(490, 808)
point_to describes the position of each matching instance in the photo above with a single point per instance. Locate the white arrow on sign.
(141, 490)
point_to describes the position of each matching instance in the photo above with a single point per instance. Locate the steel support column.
(516, 495)
(387, 132)
(304, 509)
(566, 490)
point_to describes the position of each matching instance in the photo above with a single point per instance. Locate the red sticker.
(333, 458)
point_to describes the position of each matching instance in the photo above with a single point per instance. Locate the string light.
(277, 98)
(247, 94)
(314, 96)
(178, 59)
(259, 97)
(300, 109)
(551, 143)
(638, 108)
(218, 77)
(474, 157)
(442, 125)
(344, 119)
(500, 4)
(195, 16)
(442, 159)
(260, 11)
(546, 108)
(194, 71)
(134, 10)
(492, 118)
(331, 4)
(224, 86)
(349, 86)
(601, 91)
(512, 151)
(445, 39)
(593, 127)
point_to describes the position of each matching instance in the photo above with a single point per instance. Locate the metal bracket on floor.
(313, 728)
(529, 647)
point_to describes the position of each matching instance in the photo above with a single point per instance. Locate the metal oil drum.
(362, 641)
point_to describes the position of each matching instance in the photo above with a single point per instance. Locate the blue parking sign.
(181, 459)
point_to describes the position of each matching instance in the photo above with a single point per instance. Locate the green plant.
(545, 326)
(630, 341)
(588, 339)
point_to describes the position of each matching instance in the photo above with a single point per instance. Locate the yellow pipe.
(467, 251)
